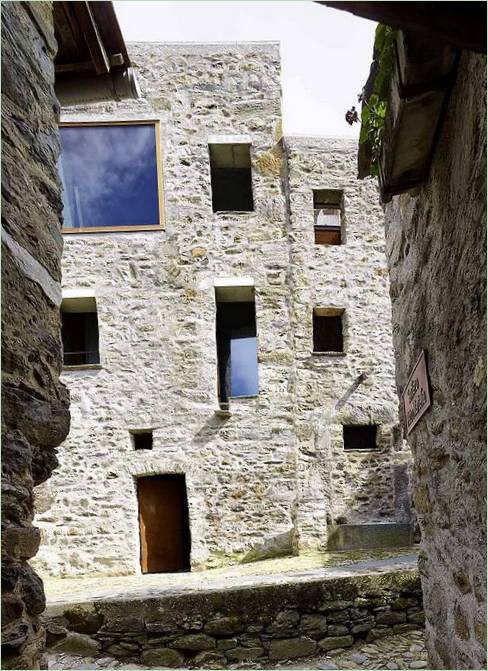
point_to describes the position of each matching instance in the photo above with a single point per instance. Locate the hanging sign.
(416, 395)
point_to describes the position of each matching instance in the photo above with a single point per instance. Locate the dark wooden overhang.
(461, 24)
(424, 70)
(429, 38)
(92, 62)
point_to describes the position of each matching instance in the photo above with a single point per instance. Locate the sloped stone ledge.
(217, 627)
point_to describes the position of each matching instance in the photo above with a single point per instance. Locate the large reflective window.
(110, 176)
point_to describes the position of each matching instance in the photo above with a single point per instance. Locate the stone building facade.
(436, 248)
(268, 474)
(334, 485)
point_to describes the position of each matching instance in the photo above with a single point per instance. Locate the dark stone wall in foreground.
(436, 247)
(35, 417)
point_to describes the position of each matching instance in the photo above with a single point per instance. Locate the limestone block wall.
(359, 386)
(35, 416)
(249, 486)
(436, 246)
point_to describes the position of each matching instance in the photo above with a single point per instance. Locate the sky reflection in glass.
(109, 175)
(243, 367)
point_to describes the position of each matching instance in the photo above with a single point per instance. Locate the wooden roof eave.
(91, 53)
(461, 24)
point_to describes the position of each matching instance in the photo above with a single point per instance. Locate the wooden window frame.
(159, 174)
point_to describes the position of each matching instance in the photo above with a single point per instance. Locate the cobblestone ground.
(402, 651)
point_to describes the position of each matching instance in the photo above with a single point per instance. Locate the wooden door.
(163, 522)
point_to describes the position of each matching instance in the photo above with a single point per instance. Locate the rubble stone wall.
(356, 388)
(156, 309)
(35, 416)
(214, 629)
(436, 246)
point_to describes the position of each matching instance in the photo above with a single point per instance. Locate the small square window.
(79, 332)
(357, 437)
(327, 208)
(327, 330)
(230, 173)
(142, 440)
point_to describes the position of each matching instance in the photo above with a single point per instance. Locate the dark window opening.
(142, 440)
(164, 523)
(79, 332)
(237, 349)
(327, 209)
(231, 179)
(327, 330)
(360, 437)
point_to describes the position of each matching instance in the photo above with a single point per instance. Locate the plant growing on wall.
(374, 99)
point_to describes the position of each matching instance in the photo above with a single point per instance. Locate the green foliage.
(375, 96)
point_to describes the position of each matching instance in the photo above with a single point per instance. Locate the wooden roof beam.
(92, 37)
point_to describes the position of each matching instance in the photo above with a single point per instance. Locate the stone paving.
(402, 651)
(271, 571)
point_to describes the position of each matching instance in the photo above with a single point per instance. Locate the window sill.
(334, 354)
(224, 409)
(110, 229)
(231, 213)
(222, 412)
(242, 398)
(366, 450)
(84, 366)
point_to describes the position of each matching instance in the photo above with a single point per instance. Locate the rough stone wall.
(156, 306)
(35, 415)
(436, 246)
(359, 386)
(156, 310)
(221, 627)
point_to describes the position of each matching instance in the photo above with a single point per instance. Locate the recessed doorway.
(163, 523)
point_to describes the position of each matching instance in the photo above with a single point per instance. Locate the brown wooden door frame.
(164, 529)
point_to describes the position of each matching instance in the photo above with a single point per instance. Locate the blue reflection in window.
(109, 175)
(243, 367)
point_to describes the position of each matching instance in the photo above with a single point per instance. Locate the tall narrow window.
(230, 173)
(110, 174)
(79, 332)
(236, 343)
(328, 330)
(327, 209)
